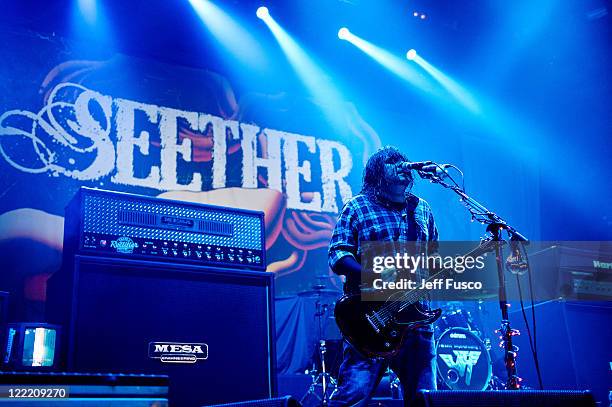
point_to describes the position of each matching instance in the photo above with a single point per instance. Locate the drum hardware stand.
(323, 377)
(495, 225)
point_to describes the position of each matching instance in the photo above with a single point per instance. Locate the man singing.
(384, 210)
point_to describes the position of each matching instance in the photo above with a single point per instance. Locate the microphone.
(426, 169)
(417, 165)
(435, 169)
(423, 166)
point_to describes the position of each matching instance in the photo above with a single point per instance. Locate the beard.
(395, 190)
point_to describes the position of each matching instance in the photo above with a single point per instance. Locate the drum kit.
(463, 350)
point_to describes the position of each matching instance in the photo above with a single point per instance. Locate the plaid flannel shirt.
(364, 218)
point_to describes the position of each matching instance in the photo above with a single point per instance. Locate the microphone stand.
(495, 226)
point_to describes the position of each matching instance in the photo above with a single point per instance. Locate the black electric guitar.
(376, 329)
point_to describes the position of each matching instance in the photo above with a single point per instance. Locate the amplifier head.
(127, 225)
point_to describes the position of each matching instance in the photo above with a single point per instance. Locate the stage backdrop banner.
(71, 117)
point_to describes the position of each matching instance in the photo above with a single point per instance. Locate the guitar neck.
(412, 296)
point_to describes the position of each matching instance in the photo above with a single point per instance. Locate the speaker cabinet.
(210, 330)
(574, 349)
(505, 398)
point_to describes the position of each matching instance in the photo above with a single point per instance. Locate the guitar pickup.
(369, 318)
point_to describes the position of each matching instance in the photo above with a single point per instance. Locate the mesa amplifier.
(118, 224)
(209, 329)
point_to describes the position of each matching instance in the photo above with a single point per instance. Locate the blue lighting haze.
(395, 64)
(229, 33)
(318, 83)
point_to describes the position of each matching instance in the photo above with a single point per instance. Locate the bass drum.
(463, 361)
(454, 318)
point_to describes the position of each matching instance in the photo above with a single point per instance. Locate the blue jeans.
(359, 376)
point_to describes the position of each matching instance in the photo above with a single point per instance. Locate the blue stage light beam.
(237, 40)
(88, 21)
(88, 10)
(317, 82)
(393, 63)
(458, 92)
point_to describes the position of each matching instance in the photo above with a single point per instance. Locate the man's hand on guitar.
(389, 274)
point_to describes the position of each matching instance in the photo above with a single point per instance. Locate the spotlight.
(262, 12)
(415, 14)
(423, 16)
(343, 33)
(411, 55)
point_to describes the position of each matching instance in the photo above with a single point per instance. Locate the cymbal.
(320, 292)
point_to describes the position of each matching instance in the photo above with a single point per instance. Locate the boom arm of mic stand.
(478, 211)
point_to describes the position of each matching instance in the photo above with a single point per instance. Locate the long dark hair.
(374, 171)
